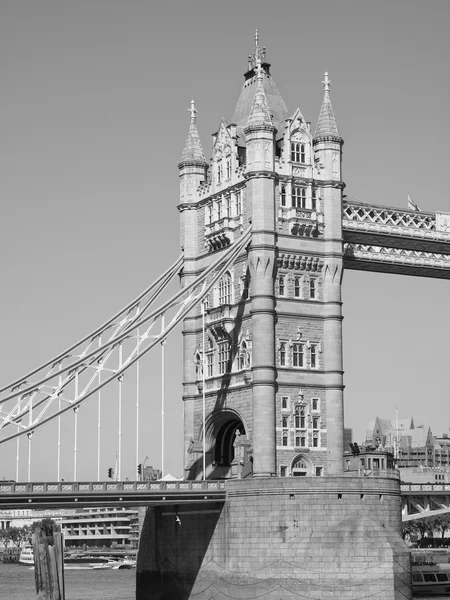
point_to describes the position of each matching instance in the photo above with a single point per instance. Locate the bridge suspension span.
(101, 358)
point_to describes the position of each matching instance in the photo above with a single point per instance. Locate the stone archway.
(220, 436)
(301, 466)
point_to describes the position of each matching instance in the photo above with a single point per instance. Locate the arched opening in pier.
(223, 428)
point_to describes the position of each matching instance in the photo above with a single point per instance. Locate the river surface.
(17, 583)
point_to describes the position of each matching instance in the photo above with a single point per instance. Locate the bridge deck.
(123, 493)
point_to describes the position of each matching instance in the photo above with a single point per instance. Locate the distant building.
(412, 445)
(151, 474)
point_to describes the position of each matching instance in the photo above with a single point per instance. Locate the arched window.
(283, 195)
(282, 354)
(281, 285)
(295, 152)
(298, 287)
(312, 288)
(302, 153)
(219, 172)
(225, 289)
(228, 168)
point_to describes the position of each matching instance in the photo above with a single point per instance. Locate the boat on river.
(430, 578)
(81, 561)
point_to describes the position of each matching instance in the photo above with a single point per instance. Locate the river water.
(17, 583)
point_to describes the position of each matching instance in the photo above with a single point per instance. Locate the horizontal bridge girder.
(396, 240)
(123, 493)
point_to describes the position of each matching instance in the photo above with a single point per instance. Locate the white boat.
(26, 556)
(430, 578)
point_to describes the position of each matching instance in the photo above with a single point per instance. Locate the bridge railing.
(420, 488)
(63, 487)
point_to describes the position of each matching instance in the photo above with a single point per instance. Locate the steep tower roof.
(326, 123)
(259, 112)
(193, 150)
(276, 105)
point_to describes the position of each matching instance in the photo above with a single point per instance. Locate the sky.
(93, 119)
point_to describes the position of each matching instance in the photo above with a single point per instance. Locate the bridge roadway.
(418, 499)
(108, 493)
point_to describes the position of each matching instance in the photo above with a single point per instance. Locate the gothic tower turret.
(260, 177)
(327, 145)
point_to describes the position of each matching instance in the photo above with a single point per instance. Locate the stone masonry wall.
(330, 537)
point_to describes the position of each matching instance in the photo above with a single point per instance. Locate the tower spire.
(193, 150)
(326, 123)
(259, 116)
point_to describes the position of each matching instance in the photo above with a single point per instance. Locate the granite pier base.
(279, 538)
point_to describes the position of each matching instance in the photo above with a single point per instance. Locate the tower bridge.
(266, 235)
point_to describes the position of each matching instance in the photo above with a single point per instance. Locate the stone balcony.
(303, 222)
(222, 232)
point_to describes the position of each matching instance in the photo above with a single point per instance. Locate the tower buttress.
(327, 145)
(192, 168)
(260, 176)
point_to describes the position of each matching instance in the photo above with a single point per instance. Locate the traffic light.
(110, 472)
(139, 469)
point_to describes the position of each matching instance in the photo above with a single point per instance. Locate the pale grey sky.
(93, 118)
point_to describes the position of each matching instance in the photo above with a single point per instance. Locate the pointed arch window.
(298, 287)
(228, 168)
(225, 289)
(281, 285)
(312, 288)
(283, 195)
(219, 172)
(282, 354)
(302, 153)
(299, 197)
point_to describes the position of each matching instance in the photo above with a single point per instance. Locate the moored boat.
(26, 556)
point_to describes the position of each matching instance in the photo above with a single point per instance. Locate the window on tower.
(281, 285)
(224, 356)
(299, 197)
(298, 287)
(228, 168)
(282, 354)
(312, 288)
(298, 355)
(283, 195)
(225, 289)
(314, 199)
(314, 362)
(209, 359)
(219, 172)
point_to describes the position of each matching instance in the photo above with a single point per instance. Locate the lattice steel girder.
(395, 240)
(361, 264)
(401, 261)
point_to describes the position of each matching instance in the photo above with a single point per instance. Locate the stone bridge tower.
(264, 357)
(273, 355)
